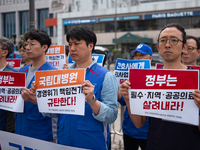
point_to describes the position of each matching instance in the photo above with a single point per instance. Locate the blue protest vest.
(32, 123)
(85, 131)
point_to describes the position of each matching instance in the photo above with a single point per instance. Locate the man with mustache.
(166, 135)
(189, 57)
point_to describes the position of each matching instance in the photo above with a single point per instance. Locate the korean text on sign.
(60, 91)
(56, 56)
(10, 91)
(165, 94)
(122, 67)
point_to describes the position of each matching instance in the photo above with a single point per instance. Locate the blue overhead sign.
(128, 18)
(107, 19)
(172, 15)
(119, 18)
(80, 21)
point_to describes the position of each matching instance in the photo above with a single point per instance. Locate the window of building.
(109, 27)
(98, 28)
(50, 15)
(195, 22)
(9, 25)
(23, 22)
(42, 14)
(51, 31)
(95, 4)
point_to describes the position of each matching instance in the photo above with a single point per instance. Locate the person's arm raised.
(138, 120)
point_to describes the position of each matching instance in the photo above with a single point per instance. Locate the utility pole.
(31, 14)
(115, 24)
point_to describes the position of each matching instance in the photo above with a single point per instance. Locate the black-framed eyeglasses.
(22, 50)
(191, 48)
(172, 41)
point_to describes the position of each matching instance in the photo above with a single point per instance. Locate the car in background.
(156, 59)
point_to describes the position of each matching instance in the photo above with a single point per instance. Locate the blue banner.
(98, 57)
(172, 15)
(80, 21)
(124, 64)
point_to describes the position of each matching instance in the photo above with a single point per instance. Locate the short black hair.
(82, 33)
(194, 38)
(177, 26)
(39, 35)
(6, 44)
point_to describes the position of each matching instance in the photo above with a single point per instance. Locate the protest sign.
(165, 94)
(11, 141)
(56, 56)
(160, 65)
(15, 63)
(60, 91)
(98, 57)
(122, 67)
(10, 91)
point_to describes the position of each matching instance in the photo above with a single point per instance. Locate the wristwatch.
(93, 100)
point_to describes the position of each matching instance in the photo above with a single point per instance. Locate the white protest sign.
(165, 94)
(56, 56)
(10, 91)
(60, 91)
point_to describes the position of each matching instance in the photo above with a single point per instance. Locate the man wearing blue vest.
(7, 121)
(100, 89)
(32, 123)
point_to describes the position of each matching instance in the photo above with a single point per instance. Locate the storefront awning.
(131, 38)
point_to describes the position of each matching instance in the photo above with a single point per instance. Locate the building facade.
(120, 25)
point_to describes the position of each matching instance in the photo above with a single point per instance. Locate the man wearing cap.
(142, 52)
(134, 137)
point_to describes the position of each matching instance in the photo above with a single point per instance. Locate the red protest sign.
(12, 79)
(15, 63)
(163, 79)
(160, 65)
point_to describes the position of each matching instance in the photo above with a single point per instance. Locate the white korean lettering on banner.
(57, 50)
(6, 79)
(51, 50)
(57, 79)
(160, 80)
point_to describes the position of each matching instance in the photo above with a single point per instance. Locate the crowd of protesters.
(92, 131)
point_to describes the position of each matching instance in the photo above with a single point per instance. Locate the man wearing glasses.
(189, 56)
(167, 135)
(22, 49)
(7, 121)
(32, 123)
